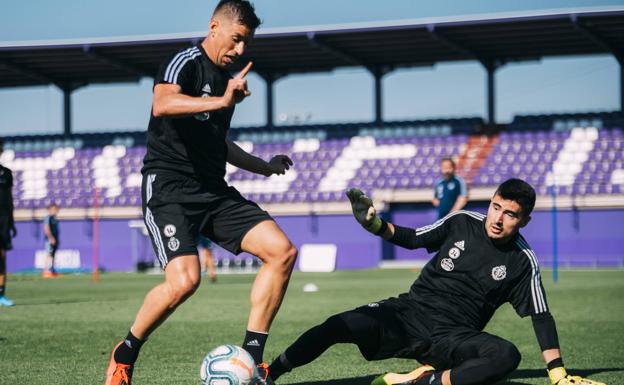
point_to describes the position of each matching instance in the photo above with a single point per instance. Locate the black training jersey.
(470, 277)
(6, 184)
(191, 145)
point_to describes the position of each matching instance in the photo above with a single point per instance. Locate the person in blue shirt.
(450, 193)
(51, 232)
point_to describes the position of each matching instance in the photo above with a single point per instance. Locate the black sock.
(128, 351)
(279, 366)
(254, 344)
(2, 287)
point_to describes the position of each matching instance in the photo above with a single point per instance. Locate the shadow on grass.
(531, 373)
(518, 375)
(66, 301)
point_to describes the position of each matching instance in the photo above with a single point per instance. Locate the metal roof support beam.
(312, 38)
(23, 70)
(108, 60)
(67, 111)
(378, 73)
(431, 28)
(490, 65)
(270, 78)
(491, 68)
(607, 45)
(68, 89)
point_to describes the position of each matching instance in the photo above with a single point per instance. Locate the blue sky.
(448, 90)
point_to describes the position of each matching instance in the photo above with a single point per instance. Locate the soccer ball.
(228, 365)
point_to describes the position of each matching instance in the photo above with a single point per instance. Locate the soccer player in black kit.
(481, 263)
(7, 225)
(184, 191)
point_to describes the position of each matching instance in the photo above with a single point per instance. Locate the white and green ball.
(228, 365)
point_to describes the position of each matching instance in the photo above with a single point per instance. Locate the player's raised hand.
(236, 90)
(363, 210)
(279, 164)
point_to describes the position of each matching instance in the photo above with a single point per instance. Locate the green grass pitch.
(61, 331)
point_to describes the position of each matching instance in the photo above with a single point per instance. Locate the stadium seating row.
(576, 162)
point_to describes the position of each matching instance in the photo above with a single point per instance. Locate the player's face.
(504, 219)
(53, 210)
(228, 39)
(448, 170)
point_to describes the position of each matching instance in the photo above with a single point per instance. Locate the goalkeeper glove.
(558, 376)
(365, 213)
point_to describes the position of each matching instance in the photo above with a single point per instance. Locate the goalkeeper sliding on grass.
(481, 263)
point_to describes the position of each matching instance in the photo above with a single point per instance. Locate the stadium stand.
(400, 156)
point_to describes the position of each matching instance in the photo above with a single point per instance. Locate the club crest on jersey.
(170, 230)
(173, 244)
(447, 264)
(460, 245)
(499, 272)
(454, 253)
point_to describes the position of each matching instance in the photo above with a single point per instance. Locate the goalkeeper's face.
(504, 219)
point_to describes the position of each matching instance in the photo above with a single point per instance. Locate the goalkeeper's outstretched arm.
(546, 332)
(364, 212)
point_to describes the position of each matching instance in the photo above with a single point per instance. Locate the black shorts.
(176, 209)
(393, 328)
(5, 233)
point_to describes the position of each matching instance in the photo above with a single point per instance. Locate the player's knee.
(335, 327)
(282, 255)
(508, 358)
(183, 287)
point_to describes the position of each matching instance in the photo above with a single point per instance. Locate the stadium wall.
(586, 238)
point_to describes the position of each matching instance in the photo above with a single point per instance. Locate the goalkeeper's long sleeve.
(545, 331)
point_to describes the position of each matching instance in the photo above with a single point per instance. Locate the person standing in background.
(206, 258)
(450, 193)
(51, 232)
(7, 225)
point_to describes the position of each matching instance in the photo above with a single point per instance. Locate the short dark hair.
(51, 204)
(518, 191)
(447, 159)
(242, 10)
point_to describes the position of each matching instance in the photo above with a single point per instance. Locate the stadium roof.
(492, 39)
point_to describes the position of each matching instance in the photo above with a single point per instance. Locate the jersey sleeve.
(179, 69)
(430, 237)
(527, 295)
(46, 220)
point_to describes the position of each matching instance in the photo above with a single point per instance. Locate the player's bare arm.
(169, 101)
(459, 203)
(238, 157)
